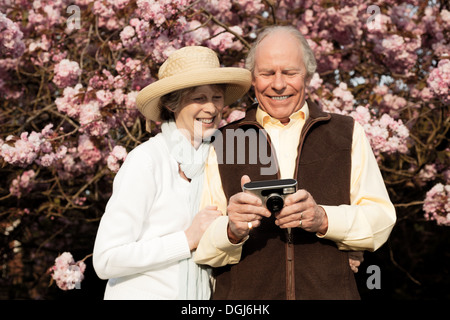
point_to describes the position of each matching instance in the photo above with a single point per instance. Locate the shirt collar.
(263, 117)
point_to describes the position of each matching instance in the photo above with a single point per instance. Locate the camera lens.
(274, 203)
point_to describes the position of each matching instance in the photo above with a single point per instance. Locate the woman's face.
(200, 113)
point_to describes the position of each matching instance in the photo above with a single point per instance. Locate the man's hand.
(300, 210)
(355, 258)
(244, 208)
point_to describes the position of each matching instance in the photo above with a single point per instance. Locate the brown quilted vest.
(271, 267)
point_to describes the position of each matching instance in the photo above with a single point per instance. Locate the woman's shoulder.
(151, 150)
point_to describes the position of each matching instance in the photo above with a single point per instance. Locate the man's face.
(279, 75)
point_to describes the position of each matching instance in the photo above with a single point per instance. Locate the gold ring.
(300, 225)
(250, 226)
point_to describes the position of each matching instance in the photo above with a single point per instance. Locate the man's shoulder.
(341, 117)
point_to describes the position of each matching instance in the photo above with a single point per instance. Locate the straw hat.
(189, 67)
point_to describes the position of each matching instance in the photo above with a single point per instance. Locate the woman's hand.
(201, 222)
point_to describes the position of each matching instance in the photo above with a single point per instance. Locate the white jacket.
(141, 238)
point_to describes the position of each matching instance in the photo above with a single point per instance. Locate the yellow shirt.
(365, 224)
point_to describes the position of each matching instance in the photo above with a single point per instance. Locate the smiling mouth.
(279, 98)
(206, 120)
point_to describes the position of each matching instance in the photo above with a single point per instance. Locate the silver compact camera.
(272, 192)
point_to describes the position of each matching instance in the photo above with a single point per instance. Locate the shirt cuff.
(337, 228)
(221, 241)
(176, 246)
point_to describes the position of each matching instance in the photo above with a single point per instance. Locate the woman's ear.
(167, 113)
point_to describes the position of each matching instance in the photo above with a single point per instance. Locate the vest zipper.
(290, 270)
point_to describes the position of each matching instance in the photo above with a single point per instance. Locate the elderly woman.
(152, 222)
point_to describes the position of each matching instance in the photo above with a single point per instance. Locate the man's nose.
(278, 82)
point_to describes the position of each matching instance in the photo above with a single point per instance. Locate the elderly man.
(341, 203)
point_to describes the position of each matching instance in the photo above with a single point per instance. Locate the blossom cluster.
(386, 134)
(24, 183)
(66, 73)
(437, 204)
(31, 147)
(67, 273)
(234, 115)
(117, 155)
(11, 38)
(439, 80)
(87, 105)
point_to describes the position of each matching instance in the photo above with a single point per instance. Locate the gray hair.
(171, 102)
(308, 55)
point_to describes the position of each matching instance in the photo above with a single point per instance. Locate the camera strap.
(290, 270)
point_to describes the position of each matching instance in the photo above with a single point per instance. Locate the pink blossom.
(90, 112)
(343, 24)
(118, 153)
(21, 151)
(426, 94)
(11, 39)
(219, 8)
(445, 16)
(120, 4)
(362, 115)
(222, 123)
(70, 165)
(67, 273)
(439, 80)
(31, 147)
(103, 9)
(392, 104)
(196, 34)
(316, 82)
(70, 102)
(104, 97)
(163, 47)
(235, 115)
(399, 53)
(327, 58)
(441, 49)
(24, 183)
(45, 15)
(88, 152)
(223, 40)
(127, 36)
(129, 68)
(130, 102)
(428, 172)
(381, 90)
(158, 11)
(49, 158)
(437, 204)
(344, 97)
(251, 7)
(387, 135)
(66, 73)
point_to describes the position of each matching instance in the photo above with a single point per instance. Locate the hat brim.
(238, 81)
